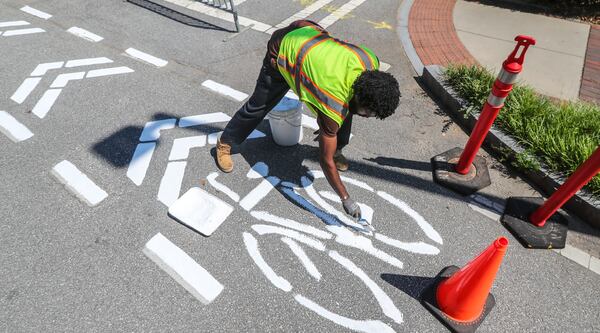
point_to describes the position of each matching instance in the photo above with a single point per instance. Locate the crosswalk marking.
(12, 128)
(35, 12)
(78, 183)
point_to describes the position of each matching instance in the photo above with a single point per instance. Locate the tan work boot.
(224, 161)
(341, 163)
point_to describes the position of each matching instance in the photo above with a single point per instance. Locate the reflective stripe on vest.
(365, 60)
(326, 99)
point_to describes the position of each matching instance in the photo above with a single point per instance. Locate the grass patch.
(561, 135)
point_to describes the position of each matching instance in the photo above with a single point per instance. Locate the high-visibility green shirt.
(327, 71)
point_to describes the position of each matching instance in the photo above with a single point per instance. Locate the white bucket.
(286, 122)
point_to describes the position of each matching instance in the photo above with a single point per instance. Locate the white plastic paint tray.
(200, 211)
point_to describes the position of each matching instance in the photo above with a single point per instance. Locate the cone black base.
(429, 302)
(445, 174)
(553, 235)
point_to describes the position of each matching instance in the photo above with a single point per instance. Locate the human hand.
(351, 208)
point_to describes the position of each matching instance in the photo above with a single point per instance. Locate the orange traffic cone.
(460, 298)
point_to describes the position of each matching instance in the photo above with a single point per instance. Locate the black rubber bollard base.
(429, 302)
(445, 175)
(552, 235)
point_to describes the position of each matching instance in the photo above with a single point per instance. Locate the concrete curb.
(581, 205)
(407, 45)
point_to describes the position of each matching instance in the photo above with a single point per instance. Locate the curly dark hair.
(377, 91)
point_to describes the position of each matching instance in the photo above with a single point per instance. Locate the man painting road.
(335, 79)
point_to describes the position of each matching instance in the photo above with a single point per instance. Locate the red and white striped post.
(584, 173)
(511, 67)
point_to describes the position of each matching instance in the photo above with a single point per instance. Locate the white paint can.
(286, 122)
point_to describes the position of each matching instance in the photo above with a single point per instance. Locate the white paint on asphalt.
(212, 180)
(181, 146)
(258, 170)
(301, 15)
(42, 69)
(88, 62)
(253, 251)
(385, 302)
(424, 225)
(62, 80)
(263, 229)
(258, 193)
(204, 119)
(170, 184)
(88, 35)
(13, 24)
(183, 269)
(340, 13)
(317, 174)
(137, 54)
(225, 90)
(78, 183)
(414, 247)
(349, 238)
(109, 71)
(35, 12)
(25, 89)
(366, 326)
(330, 196)
(19, 32)
(303, 257)
(200, 211)
(12, 128)
(366, 213)
(46, 102)
(213, 137)
(151, 131)
(310, 122)
(140, 162)
(265, 216)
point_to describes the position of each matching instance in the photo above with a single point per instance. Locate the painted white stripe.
(384, 67)
(310, 122)
(140, 162)
(203, 119)
(213, 137)
(306, 12)
(258, 170)
(41, 69)
(62, 80)
(79, 32)
(214, 12)
(12, 128)
(309, 206)
(366, 326)
(330, 196)
(225, 90)
(152, 129)
(258, 193)
(385, 302)
(183, 269)
(340, 13)
(109, 71)
(13, 24)
(46, 102)
(264, 216)
(414, 247)
(304, 259)
(88, 62)
(18, 32)
(319, 174)
(222, 188)
(200, 211)
(170, 184)
(276, 280)
(350, 239)
(424, 225)
(25, 89)
(35, 12)
(181, 147)
(137, 54)
(78, 183)
(263, 229)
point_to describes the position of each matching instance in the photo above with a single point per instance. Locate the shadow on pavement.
(413, 286)
(176, 16)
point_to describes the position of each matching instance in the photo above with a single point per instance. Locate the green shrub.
(562, 135)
